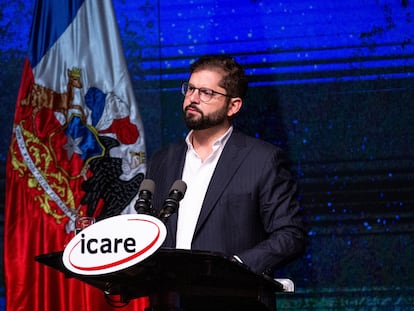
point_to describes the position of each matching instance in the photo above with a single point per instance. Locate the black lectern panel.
(190, 280)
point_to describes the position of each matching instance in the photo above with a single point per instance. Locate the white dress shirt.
(196, 175)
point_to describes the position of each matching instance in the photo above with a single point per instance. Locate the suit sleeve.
(279, 211)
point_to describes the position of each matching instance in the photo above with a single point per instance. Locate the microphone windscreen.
(180, 186)
(148, 185)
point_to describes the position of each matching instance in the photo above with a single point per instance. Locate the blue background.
(332, 82)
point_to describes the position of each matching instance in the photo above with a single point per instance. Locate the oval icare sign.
(114, 244)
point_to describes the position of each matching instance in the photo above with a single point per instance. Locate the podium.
(183, 280)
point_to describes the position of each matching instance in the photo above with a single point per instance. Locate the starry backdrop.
(332, 82)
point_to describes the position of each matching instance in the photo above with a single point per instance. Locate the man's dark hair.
(234, 80)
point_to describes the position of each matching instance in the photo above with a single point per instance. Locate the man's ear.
(234, 106)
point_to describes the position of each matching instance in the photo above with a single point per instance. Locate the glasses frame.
(186, 85)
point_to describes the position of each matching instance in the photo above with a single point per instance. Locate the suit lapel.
(230, 160)
(175, 159)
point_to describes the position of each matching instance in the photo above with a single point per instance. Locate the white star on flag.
(72, 146)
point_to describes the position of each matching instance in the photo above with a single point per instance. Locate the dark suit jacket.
(249, 210)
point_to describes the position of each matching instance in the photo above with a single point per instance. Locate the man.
(240, 199)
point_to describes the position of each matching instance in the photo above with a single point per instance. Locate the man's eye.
(190, 88)
(206, 91)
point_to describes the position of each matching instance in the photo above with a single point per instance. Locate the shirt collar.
(220, 142)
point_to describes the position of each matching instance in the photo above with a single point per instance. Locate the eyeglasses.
(205, 94)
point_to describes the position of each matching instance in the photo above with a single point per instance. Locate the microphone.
(144, 202)
(171, 204)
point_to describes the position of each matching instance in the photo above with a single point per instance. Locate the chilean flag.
(77, 149)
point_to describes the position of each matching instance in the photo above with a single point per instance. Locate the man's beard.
(203, 122)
